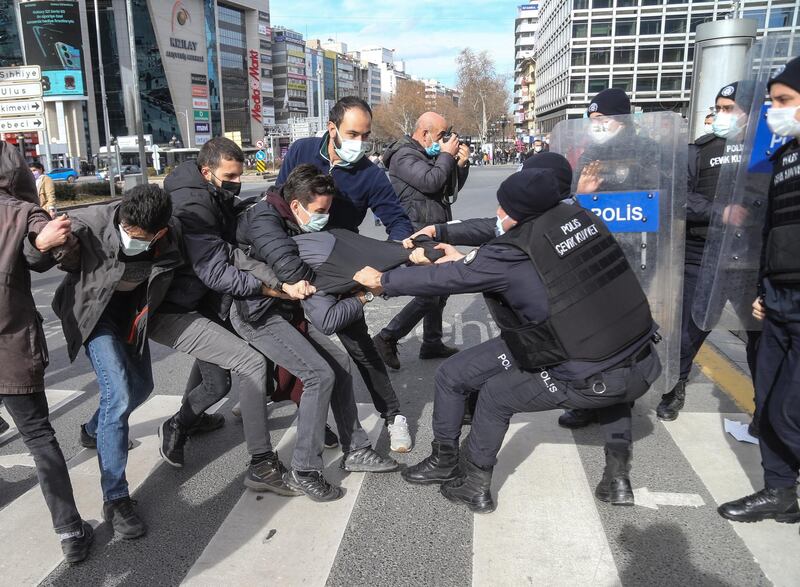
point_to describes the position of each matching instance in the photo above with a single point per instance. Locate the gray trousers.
(195, 335)
(324, 370)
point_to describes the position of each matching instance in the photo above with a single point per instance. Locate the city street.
(205, 528)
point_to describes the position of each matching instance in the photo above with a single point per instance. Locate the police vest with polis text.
(782, 246)
(714, 155)
(597, 308)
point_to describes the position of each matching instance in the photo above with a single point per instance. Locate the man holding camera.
(427, 169)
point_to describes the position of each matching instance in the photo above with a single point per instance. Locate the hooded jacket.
(83, 295)
(427, 186)
(23, 349)
(208, 221)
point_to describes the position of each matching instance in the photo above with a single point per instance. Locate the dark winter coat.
(427, 186)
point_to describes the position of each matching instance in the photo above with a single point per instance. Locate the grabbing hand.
(451, 146)
(758, 309)
(299, 291)
(590, 180)
(450, 253)
(369, 278)
(54, 234)
(734, 214)
(418, 257)
(429, 231)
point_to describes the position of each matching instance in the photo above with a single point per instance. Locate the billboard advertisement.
(51, 36)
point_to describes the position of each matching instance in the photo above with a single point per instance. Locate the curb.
(727, 376)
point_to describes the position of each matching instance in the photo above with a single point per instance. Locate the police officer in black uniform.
(708, 156)
(778, 363)
(576, 331)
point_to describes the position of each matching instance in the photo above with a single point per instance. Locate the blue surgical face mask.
(351, 150)
(434, 149)
(316, 222)
(498, 227)
(725, 125)
(132, 246)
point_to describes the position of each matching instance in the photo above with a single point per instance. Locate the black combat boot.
(441, 466)
(472, 488)
(615, 486)
(773, 504)
(672, 402)
(577, 418)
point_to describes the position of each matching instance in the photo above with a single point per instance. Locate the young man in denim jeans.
(129, 251)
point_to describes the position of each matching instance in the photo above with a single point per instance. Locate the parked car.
(126, 170)
(67, 174)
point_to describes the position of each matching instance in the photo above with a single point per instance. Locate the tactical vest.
(712, 158)
(596, 306)
(782, 258)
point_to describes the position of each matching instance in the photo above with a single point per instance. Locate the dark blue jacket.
(361, 187)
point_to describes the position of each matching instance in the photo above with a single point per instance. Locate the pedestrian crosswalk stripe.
(730, 470)
(36, 550)
(56, 398)
(546, 529)
(291, 540)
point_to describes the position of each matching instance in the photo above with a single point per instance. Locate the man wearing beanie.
(611, 131)
(575, 330)
(708, 156)
(778, 361)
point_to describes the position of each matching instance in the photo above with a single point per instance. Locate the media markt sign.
(201, 115)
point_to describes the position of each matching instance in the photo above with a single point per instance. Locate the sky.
(427, 34)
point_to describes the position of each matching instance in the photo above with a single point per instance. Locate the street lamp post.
(137, 101)
(103, 92)
(185, 114)
(21, 144)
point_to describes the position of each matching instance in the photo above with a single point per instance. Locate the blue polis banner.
(624, 211)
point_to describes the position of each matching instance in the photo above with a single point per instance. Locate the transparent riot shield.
(728, 279)
(631, 172)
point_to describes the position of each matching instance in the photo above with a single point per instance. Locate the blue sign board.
(764, 145)
(261, 156)
(624, 211)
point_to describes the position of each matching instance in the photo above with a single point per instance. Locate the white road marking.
(652, 499)
(56, 398)
(18, 460)
(730, 470)
(27, 518)
(283, 540)
(546, 529)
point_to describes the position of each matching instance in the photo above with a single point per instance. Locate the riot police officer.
(708, 156)
(778, 363)
(576, 332)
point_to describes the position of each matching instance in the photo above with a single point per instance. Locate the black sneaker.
(577, 418)
(121, 514)
(672, 403)
(4, 425)
(331, 440)
(90, 442)
(267, 475)
(206, 423)
(366, 460)
(436, 351)
(387, 349)
(76, 549)
(171, 439)
(773, 504)
(313, 484)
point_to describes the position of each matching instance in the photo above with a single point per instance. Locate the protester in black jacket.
(426, 173)
(205, 193)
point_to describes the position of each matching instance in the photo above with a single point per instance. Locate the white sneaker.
(400, 439)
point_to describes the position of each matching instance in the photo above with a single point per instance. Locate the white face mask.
(132, 246)
(708, 128)
(352, 150)
(782, 121)
(498, 227)
(725, 125)
(602, 134)
(316, 220)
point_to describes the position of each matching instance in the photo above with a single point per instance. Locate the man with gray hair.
(427, 169)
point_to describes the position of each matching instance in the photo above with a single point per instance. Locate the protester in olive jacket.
(128, 253)
(28, 237)
(426, 171)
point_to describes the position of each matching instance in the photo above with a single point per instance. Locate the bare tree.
(399, 115)
(484, 95)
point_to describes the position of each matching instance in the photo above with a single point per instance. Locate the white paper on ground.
(739, 431)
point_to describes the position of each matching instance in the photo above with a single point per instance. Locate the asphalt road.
(396, 534)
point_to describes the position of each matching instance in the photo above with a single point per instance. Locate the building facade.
(525, 100)
(645, 47)
(391, 69)
(289, 75)
(525, 27)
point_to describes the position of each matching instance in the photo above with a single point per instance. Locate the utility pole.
(103, 95)
(137, 102)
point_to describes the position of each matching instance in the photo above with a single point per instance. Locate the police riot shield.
(728, 281)
(631, 172)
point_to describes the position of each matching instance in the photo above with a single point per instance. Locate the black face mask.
(229, 189)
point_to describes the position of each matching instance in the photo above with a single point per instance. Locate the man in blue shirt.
(361, 186)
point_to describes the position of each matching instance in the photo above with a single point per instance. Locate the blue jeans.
(125, 381)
